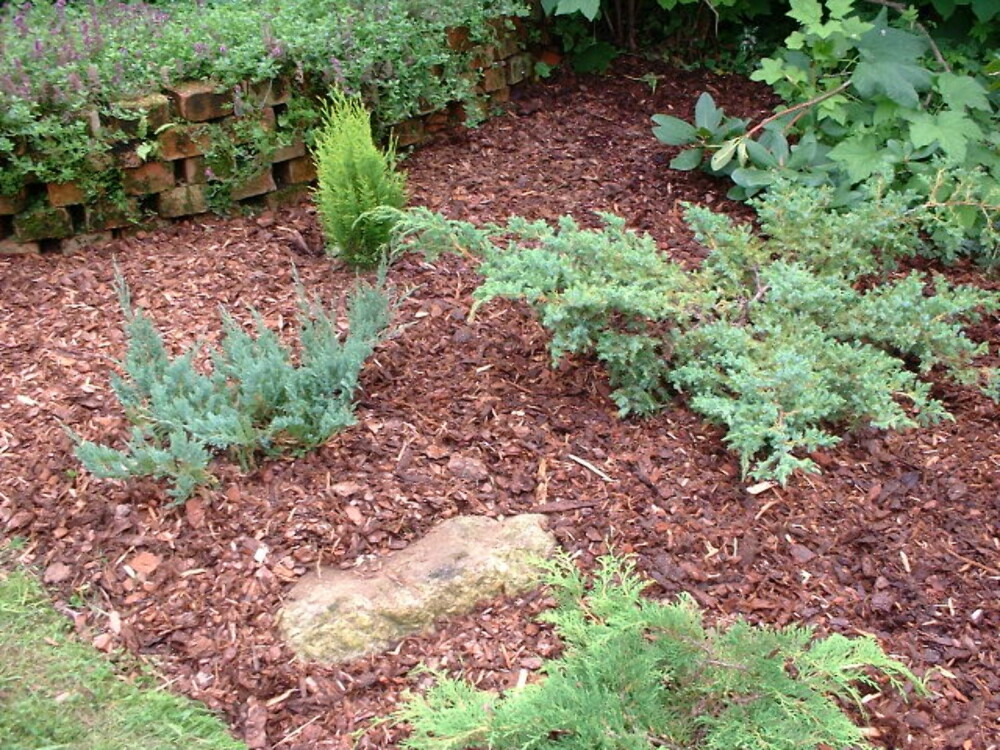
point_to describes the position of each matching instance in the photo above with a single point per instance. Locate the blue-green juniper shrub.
(787, 338)
(255, 400)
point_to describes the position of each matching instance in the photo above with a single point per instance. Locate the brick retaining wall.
(174, 182)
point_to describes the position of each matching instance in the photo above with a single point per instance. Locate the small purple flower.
(223, 49)
(209, 174)
(277, 51)
(201, 49)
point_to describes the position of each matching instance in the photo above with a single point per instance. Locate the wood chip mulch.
(897, 537)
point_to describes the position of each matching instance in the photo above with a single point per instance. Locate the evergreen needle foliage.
(787, 340)
(638, 674)
(255, 399)
(354, 178)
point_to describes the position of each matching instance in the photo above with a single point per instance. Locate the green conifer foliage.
(638, 674)
(355, 178)
(787, 338)
(254, 400)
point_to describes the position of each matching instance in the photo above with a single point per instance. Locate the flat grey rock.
(335, 615)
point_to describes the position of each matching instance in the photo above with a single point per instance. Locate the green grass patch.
(56, 692)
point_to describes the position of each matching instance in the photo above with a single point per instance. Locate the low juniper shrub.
(355, 177)
(640, 674)
(788, 338)
(255, 400)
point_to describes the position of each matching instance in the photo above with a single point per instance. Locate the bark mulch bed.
(898, 537)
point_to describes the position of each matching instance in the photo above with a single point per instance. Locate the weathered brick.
(193, 170)
(287, 196)
(80, 241)
(65, 194)
(43, 223)
(13, 247)
(130, 113)
(197, 101)
(507, 44)
(519, 67)
(152, 177)
(11, 204)
(295, 171)
(494, 78)
(182, 142)
(99, 217)
(183, 201)
(262, 183)
(269, 93)
(485, 56)
(292, 151)
(409, 132)
(458, 39)
(500, 96)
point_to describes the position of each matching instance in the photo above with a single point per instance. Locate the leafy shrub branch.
(863, 98)
(786, 339)
(255, 400)
(643, 674)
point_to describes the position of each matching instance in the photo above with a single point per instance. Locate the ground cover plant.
(256, 399)
(355, 177)
(637, 673)
(772, 337)
(62, 59)
(58, 692)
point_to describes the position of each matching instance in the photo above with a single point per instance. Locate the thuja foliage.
(641, 674)
(255, 399)
(355, 177)
(787, 339)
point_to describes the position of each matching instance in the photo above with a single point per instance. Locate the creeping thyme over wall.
(787, 339)
(63, 61)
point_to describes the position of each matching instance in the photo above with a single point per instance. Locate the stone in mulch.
(335, 615)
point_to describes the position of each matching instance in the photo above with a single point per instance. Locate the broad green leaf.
(589, 8)
(858, 155)
(839, 8)
(725, 154)
(752, 178)
(952, 131)
(706, 114)
(687, 160)
(944, 7)
(882, 43)
(775, 142)
(770, 71)
(809, 13)
(899, 82)
(962, 92)
(885, 111)
(549, 6)
(673, 131)
(985, 10)
(594, 58)
(760, 155)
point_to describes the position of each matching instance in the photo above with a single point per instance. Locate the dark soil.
(897, 537)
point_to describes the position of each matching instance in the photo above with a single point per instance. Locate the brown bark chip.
(897, 537)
